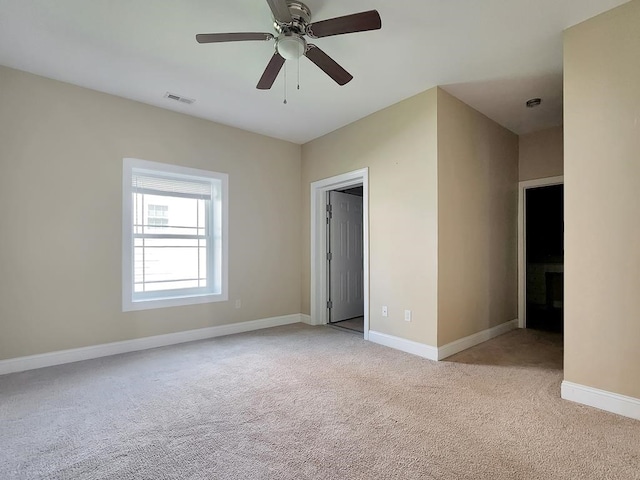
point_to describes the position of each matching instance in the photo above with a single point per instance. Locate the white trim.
(522, 211)
(307, 319)
(187, 297)
(602, 399)
(129, 306)
(439, 353)
(103, 350)
(319, 190)
(415, 348)
(475, 339)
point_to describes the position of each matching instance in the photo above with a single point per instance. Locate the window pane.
(169, 263)
(202, 211)
(164, 264)
(203, 265)
(171, 215)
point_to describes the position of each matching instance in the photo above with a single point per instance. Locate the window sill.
(132, 306)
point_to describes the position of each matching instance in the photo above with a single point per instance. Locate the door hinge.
(329, 211)
(329, 256)
(329, 304)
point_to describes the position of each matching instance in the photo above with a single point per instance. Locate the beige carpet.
(303, 402)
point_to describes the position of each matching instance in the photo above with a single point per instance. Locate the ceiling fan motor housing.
(301, 15)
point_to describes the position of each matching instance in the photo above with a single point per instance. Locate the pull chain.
(298, 73)
(285, 83)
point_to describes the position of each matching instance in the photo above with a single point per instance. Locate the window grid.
(143, 266)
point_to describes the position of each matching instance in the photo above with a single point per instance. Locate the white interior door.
(345, 257)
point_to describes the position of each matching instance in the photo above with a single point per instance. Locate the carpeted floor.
(353, 324)
(301, 402)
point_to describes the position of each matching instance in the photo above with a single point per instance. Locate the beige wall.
(61, 150)
(602, 201)
(477, 221)
(399, 146)
(541, 154)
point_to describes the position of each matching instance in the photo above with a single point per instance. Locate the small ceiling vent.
(534, 102)
(178, 98)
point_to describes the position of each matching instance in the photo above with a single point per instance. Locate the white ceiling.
(492, 54)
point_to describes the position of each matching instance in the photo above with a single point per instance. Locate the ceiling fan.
(292, 22)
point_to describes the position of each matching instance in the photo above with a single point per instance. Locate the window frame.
(129, 302)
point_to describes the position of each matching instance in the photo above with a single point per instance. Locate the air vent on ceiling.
(178, 98)
(534, 102)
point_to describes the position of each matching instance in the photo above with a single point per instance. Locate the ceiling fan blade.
(280, 10)
(271, 72)
(357, 22)
(328, 65)
(232, 37)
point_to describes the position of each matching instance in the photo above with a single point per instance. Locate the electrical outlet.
(385, 312)
(238, 303)
(407, 315)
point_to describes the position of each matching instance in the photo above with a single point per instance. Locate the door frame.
(319, 189)
(522, 236)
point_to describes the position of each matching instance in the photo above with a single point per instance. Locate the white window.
(174, 240)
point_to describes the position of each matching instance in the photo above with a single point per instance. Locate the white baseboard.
(433, 353)
(409, 346)
(475, 339)
(306, 319)
(593, 397)
(95, 351)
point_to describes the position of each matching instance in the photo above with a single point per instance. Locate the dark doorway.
(545, 258)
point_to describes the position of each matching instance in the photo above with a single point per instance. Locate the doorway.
(345, 298)
(345, 262)
(542, 255)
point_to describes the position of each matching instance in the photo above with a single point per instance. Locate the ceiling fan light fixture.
(291, 47)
